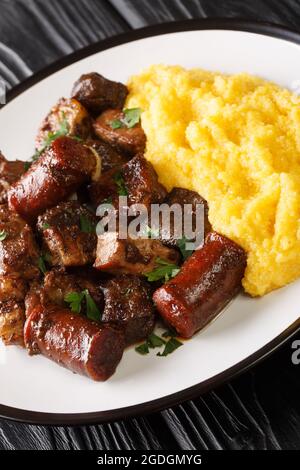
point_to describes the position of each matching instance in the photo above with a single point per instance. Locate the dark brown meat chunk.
(10, 171)
(183, 197)
(69, 234)
(130, 141)
(59, 171)
(57, 285)
(18, 250)
(67, 113)
(75, 342)
(111, 159)
(207, 281)
(12, 288)
(128, 302)
(97, 93)
(12, 318)
(141, 182)
(132, 256)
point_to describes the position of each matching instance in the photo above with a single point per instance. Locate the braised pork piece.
(96, 93)
(69, 115)
(79, 296)
(131, 256)
(69, 236)
(130, 141)
(10, 171)
(128, 303)
(19, 256)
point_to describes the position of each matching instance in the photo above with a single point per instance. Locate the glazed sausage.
(59, 171)
(207, 281)
(75, 342)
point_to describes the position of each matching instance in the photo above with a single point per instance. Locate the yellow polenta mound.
(235, 140)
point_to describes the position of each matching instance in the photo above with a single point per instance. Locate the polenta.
(236, 140)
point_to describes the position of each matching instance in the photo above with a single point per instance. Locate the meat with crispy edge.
(140, 182)
(18, 265)
(69, 235)
(97, 93)
(132, 256)
(57, 285)
(69, 113)
(192, 200)
(129, 141)
(10, 171)
(128, 302)
(62, 168)
(207, 281)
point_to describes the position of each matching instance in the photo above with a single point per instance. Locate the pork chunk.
(69, 234)
(128, 303)
(12, 318)
(129, 141)
(131, 256)
(97, 93)
(68, 114)
(10, 171)
(19, 253)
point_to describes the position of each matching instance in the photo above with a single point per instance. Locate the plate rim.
(75, 419)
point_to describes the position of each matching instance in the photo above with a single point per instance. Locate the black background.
(261, 408)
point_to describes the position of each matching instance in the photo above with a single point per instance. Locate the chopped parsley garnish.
(119, 180)
(170, 347)
(45, 226)
(142, 349)
(130, 119)
(92, 311)
(153, 341)
(74, 299)
(3, 235)
(27, 165)
(86, 225)
(169, 334)
(42, 264)
(182, 247)
(165, 271)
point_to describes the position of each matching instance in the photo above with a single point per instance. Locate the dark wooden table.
(261, 408)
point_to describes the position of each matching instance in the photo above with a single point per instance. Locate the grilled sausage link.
(75, 342)
(59, 171)
(207, 281)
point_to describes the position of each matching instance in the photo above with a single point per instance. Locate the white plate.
(36, 390)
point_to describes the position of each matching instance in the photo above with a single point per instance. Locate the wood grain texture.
(261, 408)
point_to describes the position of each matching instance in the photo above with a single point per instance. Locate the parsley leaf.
(119, 180)
(116, 124)
(142, 349)
(92, 311)
(169, 334)
(3, 235)
(74, 299)
(165, 270)
(42, 264)
(170, 347)
(86, 226)
(132, 117)
(45, 226)
(155, 341)
(182, 247)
